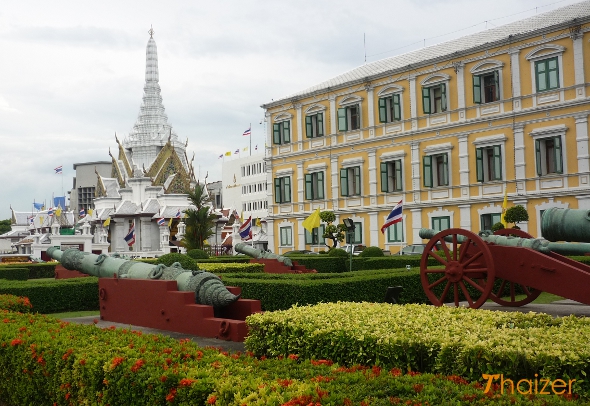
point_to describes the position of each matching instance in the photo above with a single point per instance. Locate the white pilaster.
(463, 160)
(461, 90)
(578, 45)
(335, 182)
(300, 183)
(515, 73)
(465, 216)
(373, 230)
(301, 235)
(299, 125)
(371, 107)
(416, 226)
(372, 174)
(270, 231)
(582, 149)
(413, 102)
(332, 114)
(519, 153)
(416, 172)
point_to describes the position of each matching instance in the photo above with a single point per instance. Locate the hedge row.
(14, 274)
(36, 271)
(56, 296)
(44, 361)
(431, 339)
(228, 267)
(326, 264)
(277, 292)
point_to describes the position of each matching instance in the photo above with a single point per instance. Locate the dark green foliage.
(497, 226)
(36, 271)
(371, 252)
(516, 214)
(338, 252)
(185, 261)
(56, 296)
(200, 221)
(14, 273)
(5, 226)
(322, 264)
(334, 232)
(231, 259)
(197, 254)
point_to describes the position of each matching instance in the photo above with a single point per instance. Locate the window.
(389, 109)
(488, 220)
(486, 87)
(314, 125)
(283, 189)
(281, 132)
(436, 170)
(391, 176)
(286, 236)
(434, 99)
(316, 236)
(441, 223)
(548, 155)
(488, 163)
(357, 234)
(350, 181)
(349, 118)
(547, 74)
(395, 233)
(314, 186)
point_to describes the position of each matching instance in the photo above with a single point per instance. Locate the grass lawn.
(544, 298)
(67, 315)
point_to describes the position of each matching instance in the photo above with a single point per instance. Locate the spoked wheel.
(467, 262)
(511, 289)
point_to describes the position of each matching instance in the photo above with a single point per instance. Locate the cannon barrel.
(566, 225)
(256, 253)
(208, 288)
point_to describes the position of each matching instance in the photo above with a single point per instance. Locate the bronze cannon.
(258, 254)
(208, 288)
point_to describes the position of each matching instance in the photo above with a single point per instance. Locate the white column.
(299, 125)
(416, 172)
(372, 174)
(460, 90)
(268, 119)
(335, 183)
(578, 45)
(519, 155)
(332, 114)
(465, 216)
(270, 231)
(413, 102)
(374, 230)
(582, 149)
(300, 184)
(463, 160)
(371, 107)
(301, 232)
(416, 226)
(515, 63)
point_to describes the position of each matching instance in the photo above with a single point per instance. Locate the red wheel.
(466, 261)
(508, 288)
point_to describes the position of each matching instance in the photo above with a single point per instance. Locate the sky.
(72, 72)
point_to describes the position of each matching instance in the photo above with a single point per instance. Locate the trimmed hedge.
(279, 292)
(197, 254)
(321, 263)
(223, 268)
(14, 274)
(36, 271)
(372, 252)
(56, 296)
(185, 261)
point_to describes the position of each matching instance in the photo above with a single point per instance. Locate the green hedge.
(56, 296)
(278, 292)
(238, 259)
(36, 271)
(321, 263)
(219, 268)
(14, 274)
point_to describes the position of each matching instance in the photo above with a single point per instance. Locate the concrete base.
(63, 273)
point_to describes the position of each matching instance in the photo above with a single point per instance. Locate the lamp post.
(349, 224)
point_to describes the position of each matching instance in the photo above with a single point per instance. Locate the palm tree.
(199, 221)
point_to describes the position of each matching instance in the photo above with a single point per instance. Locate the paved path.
(559, 308)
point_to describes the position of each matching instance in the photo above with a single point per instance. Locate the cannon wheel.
(467, 261)
(509, 287)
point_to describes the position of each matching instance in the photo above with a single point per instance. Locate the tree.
(516, 215)
(497, 226)
(334, 232)
(200, 221)
(5, 226)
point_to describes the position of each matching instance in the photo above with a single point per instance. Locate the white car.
(357, 248)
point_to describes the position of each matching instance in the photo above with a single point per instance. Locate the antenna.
(365, 45)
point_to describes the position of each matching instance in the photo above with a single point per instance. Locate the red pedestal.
(63, 273)
(158, 304)
(274, 266)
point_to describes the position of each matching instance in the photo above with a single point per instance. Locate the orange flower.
(212, 399)
(16, 341)
(187, 382)
(294, 357)
(116, 361)
(138, 364)
(170, 396)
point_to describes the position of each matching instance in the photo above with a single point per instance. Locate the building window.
(395, 233)
(486, 87)
(390, 109)
(316, 236)
(547, 74)
(349, 118)
(350, 181)
(281, 132)
(441, 223)
(283, 189)
(488, 220)
(391, 176)
(314, 125)
(357, 234)
(436, 170)
(286, 236)
(314, 186)
(548, 155)
(488, 163)
(434, 99)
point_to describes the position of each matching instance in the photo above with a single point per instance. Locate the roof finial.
(151, 32)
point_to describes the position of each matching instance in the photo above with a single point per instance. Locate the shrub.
(338, 252)
(14, 274)
(197, 254)
(15, 303)
(497, 226)
(36, 271)
(372, 252)
(232, 268)
(185, 261)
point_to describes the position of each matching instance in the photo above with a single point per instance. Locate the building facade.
(447, 130)
(85, 182)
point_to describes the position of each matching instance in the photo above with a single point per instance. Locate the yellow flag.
(41, 219)
(313, 221)
(106, 222)
(228, 153)
(258, 223)
(58, 211)
(170, 222)
(242, 218)
(504, 208)
(90, 211)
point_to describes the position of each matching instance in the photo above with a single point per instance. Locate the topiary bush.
(185, 261)
(338, 252)
(371, 252)
(497, 226)
(15, 303)
(197, 254)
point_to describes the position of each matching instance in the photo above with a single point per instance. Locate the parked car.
(357, 248)
(413, 249)
(300, 252)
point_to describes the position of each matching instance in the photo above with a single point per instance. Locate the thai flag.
(31, 220)
(58, 170)
(245, 228)
(130, 237)
(178, 214)
(220, 156)
(161, 221)
(394, 217)
(247, 132)
(50, 212)
(237, 151)
(82, 212)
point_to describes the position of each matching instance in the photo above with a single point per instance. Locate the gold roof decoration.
(166, 164)
(101, 190)
(124, 158)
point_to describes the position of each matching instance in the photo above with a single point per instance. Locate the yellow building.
(447, 129)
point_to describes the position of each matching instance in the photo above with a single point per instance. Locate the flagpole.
(250, 139)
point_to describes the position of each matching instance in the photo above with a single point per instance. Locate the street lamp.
(349, 224)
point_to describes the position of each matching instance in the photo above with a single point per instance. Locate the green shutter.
(344, 182)
(320, 123)
(358, 233)
(397, 111)
(342, 122)
(287, 186)
(320, 180)
(384, 177)
(278, 190)
(479, 164)
(398, 174)
(476, 89)
(357, 179)
(382, 110)
(308, 127)
(443, 97)
(558, 156)
(308, 186)
(427, 169)
(276, 133)
(286, 131)
(538, 157)
(445, 169)
(497, 83)
(541, 76)
(308, 237)
(426, 100)
(497, 162)
(552, 73)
